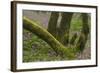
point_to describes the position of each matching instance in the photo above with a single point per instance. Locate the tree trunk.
(64, 27)
(46, 36)
(72, 40)
(52, 25)
(84, 33)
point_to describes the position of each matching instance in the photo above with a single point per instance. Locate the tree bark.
(46, 36)
(64, 27)
(52, 25)
(72, 40)
(84, 33)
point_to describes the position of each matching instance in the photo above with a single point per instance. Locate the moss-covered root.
(46, 36)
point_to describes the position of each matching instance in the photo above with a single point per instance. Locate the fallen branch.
(33, 27)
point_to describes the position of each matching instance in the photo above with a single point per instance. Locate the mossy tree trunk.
(84, 32)
(46, 36)
(62, 32)
(52, 25)
(65, 27)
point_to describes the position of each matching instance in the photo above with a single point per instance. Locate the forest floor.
(35, 49)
